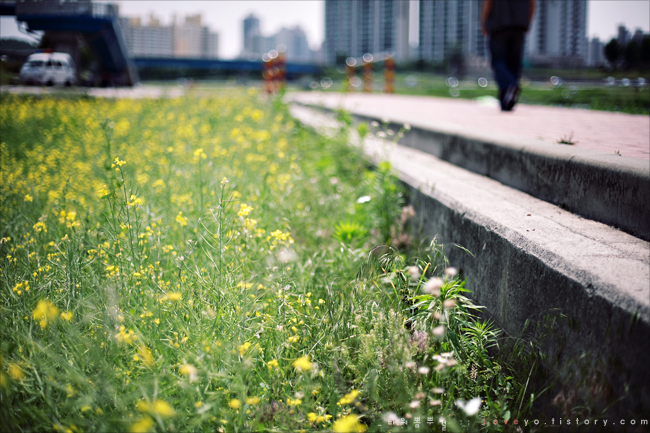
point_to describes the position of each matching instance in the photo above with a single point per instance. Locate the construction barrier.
(274, 72)
(267, 74)
(281, 77)
(350, 73)
(367, 74)
(389, 75)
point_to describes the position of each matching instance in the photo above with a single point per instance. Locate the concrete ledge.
(608, 188)
(531, 259)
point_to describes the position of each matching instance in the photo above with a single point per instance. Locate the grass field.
(631, 100)
(206, 263)
(596, 96)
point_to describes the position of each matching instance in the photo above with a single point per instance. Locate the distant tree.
(46, 42)
(14, 44)
(613, 52)
(456, 61)
(632, 55)
(645, 51)
(341, 58)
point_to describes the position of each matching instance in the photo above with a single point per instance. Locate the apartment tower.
(356, 27)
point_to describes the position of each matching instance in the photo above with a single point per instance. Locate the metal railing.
(54, 7)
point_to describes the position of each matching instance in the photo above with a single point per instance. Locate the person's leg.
(515, 52)
(514, 42)
(499, 55)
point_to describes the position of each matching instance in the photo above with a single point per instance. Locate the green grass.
(626, 100)
(205, 263)
(631, 100)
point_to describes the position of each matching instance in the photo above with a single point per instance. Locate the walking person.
(506, 22)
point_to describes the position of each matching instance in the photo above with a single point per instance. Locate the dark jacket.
(508, 14)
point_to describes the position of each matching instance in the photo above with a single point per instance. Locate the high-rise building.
(638, 36)
(152, 40)
(446, 25)
(295, 41)
(595, 54)
(356, 27)
(623, 35)
(187, 39)
(209, 44)
(251, 30)
(558, 32)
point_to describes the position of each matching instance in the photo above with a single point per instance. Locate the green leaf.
(464, 249)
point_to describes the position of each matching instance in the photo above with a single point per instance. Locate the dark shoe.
(510, 97)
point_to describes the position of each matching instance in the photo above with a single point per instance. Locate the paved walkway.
(603, 131)
(137, 92)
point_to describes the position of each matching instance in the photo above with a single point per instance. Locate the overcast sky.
(225, 17)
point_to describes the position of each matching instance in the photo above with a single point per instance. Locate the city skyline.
(226, 17)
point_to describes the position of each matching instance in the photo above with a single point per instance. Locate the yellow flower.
(198, 404)
(235, 403)
(244, 210)
(312, 417)
(40, 227)
(349, 398)
(302, 364)
(199, 154)
(181, 219)
(125, 336)
(250, 224)
(293, 339)
(349, 424)
(145, 355)
(45, 313)
(145, 425)
(102, 191)
(224, 181)
(17, 288)
(295, 402)
(143, 406)
(16, 372)
(172, 296)
(188, 370)
(273, 363)
(243, 348)
(252, 400)
(162, 408)
(28, 198)
(135, 201)
(67, 316)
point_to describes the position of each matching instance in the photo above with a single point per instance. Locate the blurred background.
(573, 47)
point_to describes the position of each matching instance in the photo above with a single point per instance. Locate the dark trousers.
(507, 50)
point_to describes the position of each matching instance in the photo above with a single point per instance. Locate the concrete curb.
(611, 189)
(532, 260)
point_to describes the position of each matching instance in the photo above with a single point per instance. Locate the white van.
(49, 69)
